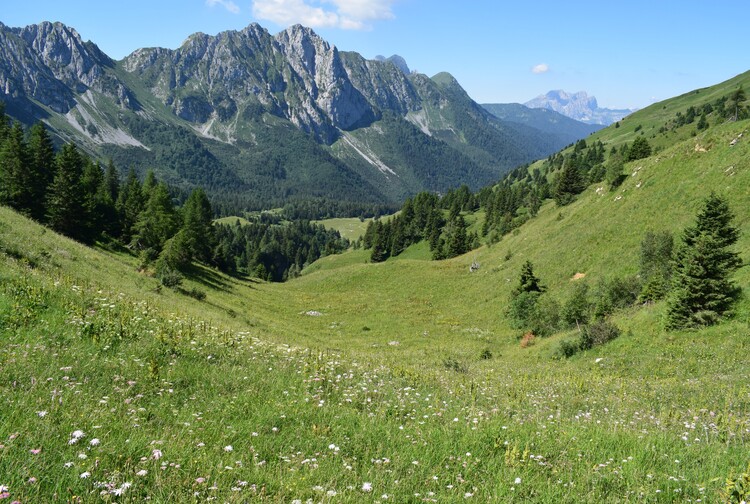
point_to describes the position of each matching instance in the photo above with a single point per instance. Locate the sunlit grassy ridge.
(357, 382)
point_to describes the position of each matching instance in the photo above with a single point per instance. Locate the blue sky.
(627, 54)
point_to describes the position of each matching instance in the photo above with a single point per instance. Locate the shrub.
(522, 309)
(453, 364)
(527, 340)
(567, 348)
(575, 312)
(169, 277)
(592, 335)
(616, 293)
(486, 354)
(546, 317)
(195, 293)
(597, 334)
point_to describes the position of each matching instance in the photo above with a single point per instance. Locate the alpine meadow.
(259, 269)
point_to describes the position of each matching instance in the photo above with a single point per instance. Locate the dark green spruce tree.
(130, 203)
(569, 183)
(456, 240)
(42, 168)
(66, 200)
(703, 293)
(16, 182)
(157, 223)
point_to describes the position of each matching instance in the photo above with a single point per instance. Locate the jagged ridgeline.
(262, 120)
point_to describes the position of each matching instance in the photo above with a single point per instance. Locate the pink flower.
(35, 451)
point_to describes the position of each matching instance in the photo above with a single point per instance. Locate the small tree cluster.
(422, 218)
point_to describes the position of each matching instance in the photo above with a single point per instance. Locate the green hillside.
(401, 381)
(657, 122)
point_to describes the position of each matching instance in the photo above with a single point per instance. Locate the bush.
(195, 293)
(568, 348)
(522, 309)
(527, 340)
(592, 335)
(169, 277)
(616, 293)
(576, 310)
(546, 317)
(452, 364)
(597, 334)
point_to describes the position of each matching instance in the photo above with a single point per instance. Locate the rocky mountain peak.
(398, 62)
(50, 63)
(579, 106)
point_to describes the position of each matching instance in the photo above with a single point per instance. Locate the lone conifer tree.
(702, 291)
(528, 282)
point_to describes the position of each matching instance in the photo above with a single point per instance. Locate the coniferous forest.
(78, 197)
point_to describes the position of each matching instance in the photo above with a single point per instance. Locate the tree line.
(271, 249)
(429, 217)
(78, 197)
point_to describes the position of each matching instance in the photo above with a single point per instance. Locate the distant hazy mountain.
(579, 106)
(564, 129)
(260, 119)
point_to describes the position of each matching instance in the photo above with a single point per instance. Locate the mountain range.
(579, 106)
(260, 119)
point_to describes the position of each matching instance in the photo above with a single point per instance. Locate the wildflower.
(367, 486)
(85, 475)
(156, 454)
(142, 472)
(200, 480)
(517, 481)
(35, 451)
(228, 448)
(41, 414)
(95, 442)
(78, 434)
(68, 465)
(31, 480)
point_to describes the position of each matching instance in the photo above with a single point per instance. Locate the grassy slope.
(662, 418)
(657, 115)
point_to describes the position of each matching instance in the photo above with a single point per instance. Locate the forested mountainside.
(260, 120)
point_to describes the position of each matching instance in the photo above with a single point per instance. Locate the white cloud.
(540, 68)
(344, 14)
(227, 4)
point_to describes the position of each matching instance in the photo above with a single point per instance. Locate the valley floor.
(372, 387)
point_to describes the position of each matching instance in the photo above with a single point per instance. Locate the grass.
(349, 228)
(358, 382)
